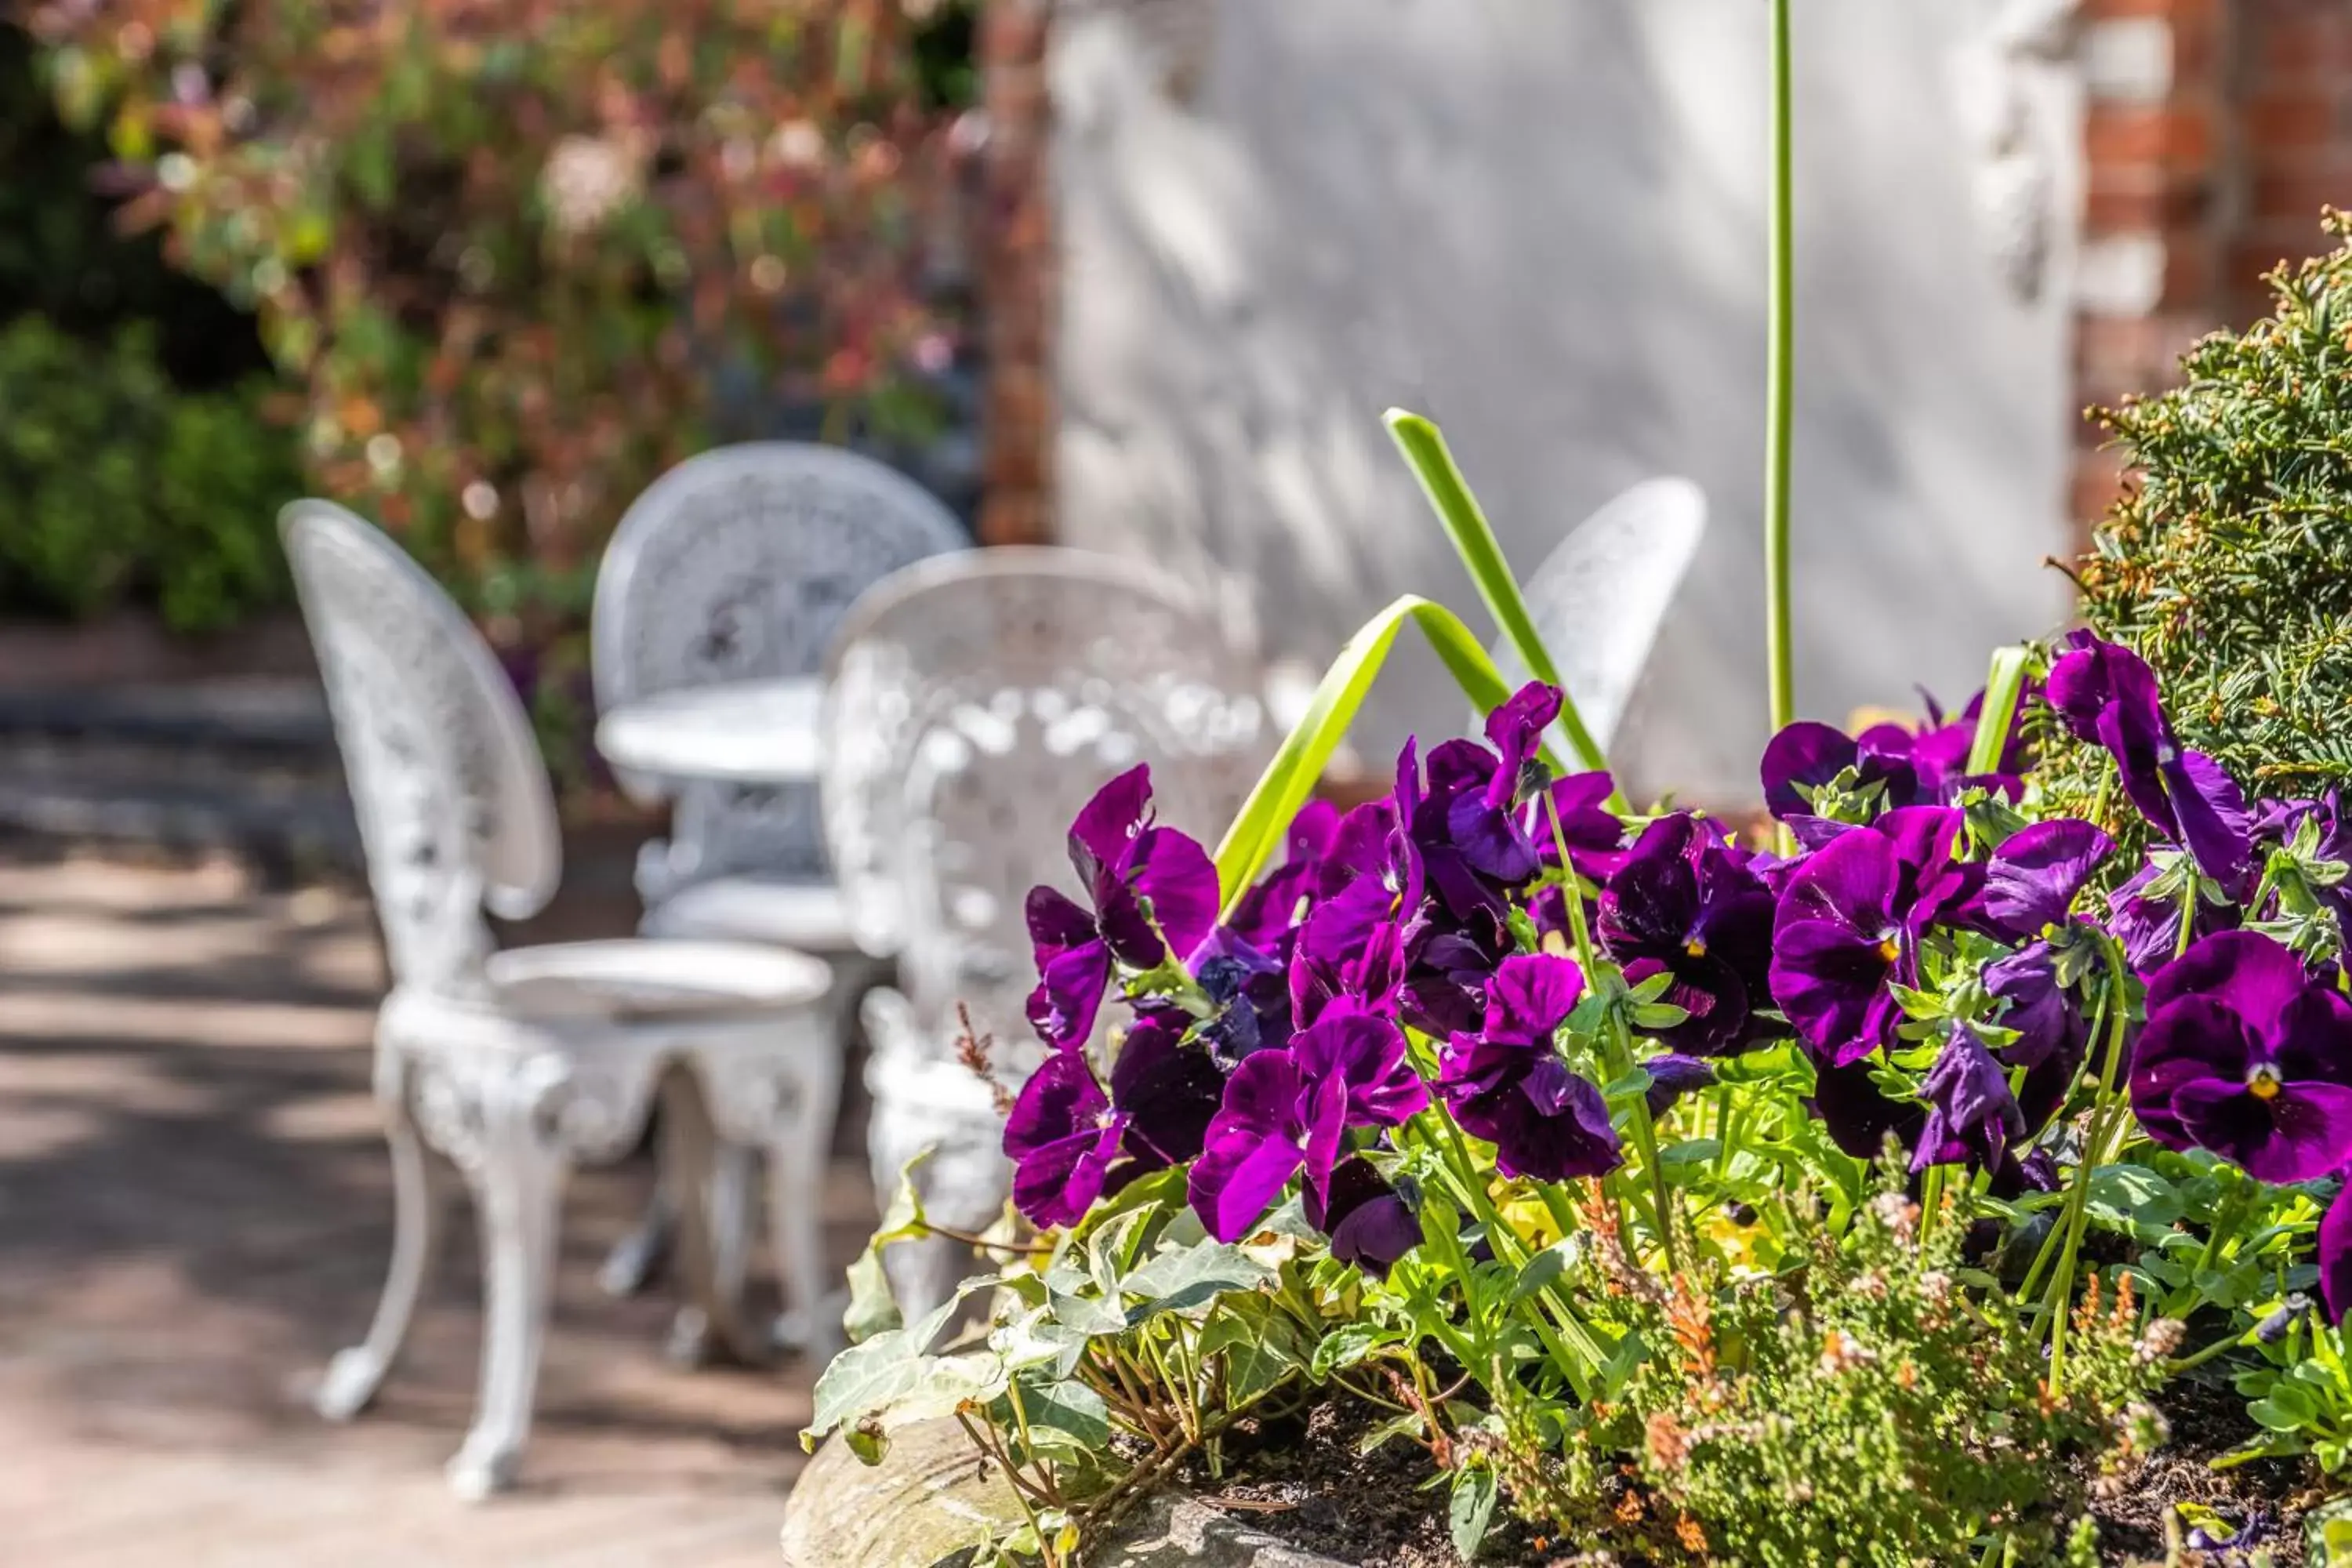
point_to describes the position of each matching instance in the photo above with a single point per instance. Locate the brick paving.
(194, 1213)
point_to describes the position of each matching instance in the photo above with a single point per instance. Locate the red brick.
(2283, 118)
(2294, 197)
(2304, 47)
(2173, 137)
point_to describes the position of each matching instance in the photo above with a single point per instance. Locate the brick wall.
(2214, 130)
(1017, 273)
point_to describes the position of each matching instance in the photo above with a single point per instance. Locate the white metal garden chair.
(976, 702)
(1600, 598)
(738, 565)
(517, 1063)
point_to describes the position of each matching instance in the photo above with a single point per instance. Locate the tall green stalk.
(1779, 410)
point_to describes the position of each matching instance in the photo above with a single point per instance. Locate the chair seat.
(811, 916)
(641, 978)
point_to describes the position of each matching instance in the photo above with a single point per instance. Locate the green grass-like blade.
(1290, 777)
(1474, 540)
(2004, 685)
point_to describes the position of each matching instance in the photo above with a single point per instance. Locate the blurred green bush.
(117, 486)
(138, 466)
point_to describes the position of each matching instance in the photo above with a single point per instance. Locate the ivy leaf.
(1072, 1412)
(1260, 1345)
(1471, 1510)
(892, 1376)
(872, 1309)
(1183, 1279)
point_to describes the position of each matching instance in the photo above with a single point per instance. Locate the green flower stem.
(1931, 1202)
(2188, 915)
(2227, 1343)
(1780, 409)
(1586, 1357)
(2078, 1200)
(1617, 1048)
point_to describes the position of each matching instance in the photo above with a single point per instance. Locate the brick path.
(193, 1216)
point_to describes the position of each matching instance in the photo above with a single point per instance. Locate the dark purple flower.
(1251, 991)
(1682, 902)
(1508, 1083)
(1857, 1115)
(1806, 756)
(1167, 1089)
(2148, 927)
(1480, 791)
(1595, 835)
(1266, 914)
(1288, 1109)
(1672, 1076)
(1061, 1137)
(2105, 693)
(1368, 1221)
(2336, 1256)
(2247, 1056)
(1153, 889)
(2033, 878)
(2051, 1034)
(1971, 1115)
(1849, 924)
(1070, 1144)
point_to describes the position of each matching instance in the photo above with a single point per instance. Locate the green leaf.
(1343, 1348)
(1542, 1269)
(1474, 541)
(890, 1377)
(1070, 1408)
(1183, 1279)
(872, 1309)
(1296, 766)
(2004, 683)
(1471, 1510)
(1261, 1347)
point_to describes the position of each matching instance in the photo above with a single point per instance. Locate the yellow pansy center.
(1695, 947)
(2263, 1083)
(1886, 949)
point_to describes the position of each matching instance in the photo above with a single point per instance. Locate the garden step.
(272, 716)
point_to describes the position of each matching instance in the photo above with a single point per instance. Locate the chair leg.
(356, 1373)
(813, 1308)
(635, 1259)
(518, 1179)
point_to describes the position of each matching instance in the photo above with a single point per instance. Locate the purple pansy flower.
(2104, 692)
(1682, 902)
(1971, 1115)
(2149, 928)
(2335, 1256)
(1153, 890)
(1849, 924)
(1857, 1115)
(2032, 879)
(1061, 1138)
(1286, 1110)
(1508, 1084)
(1368, 1221)
(1595, 835)
(1070, 1144)
(2051, 1034)
(1805, 757)
(1251, 991)
(1672, 1076)
(1268, 914)
(2244, 1054)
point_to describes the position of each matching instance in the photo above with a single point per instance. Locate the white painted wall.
(1541, 222)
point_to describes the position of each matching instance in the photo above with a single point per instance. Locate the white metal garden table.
(741, 731)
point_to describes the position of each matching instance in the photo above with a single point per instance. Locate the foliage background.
(504, 257)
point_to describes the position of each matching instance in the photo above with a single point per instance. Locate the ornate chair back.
(975, 704)
(738, 565)
(454, 807)
(1599, 597)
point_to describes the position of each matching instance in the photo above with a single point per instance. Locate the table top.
(751, 732)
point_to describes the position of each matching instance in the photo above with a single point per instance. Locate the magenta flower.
(1290, 1109)
(1595, 836)
(1370, 1223)
(1971, 1115)
(1849, 924)
(2034, 879)
(2247, 1056)
(1806, 756)
(1153, 889)
(1070, 1144)
(2149, 928)
(1683, 903)
(1268, 914)
(2335, 1256)
(1508, 1084)
(1858, 1116)
(2105, 693)
(1061, 1138)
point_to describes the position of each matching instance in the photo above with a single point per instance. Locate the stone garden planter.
(929, 1501)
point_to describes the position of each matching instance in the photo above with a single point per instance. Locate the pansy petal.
(1055, 924)
(1234, 1183)
(1531, 995)
(2311, 1137)
(1109, 822)
(2212, 818)
(1824, 978)
(2335, 1256)
(1805, 754)
(1060, 1099)
(2035, 876)
(1069, 994)
(1176, 875)
(1168, 1091)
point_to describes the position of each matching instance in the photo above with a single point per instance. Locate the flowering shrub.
(506, 249)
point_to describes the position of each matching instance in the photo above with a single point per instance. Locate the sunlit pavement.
(194, 1213)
